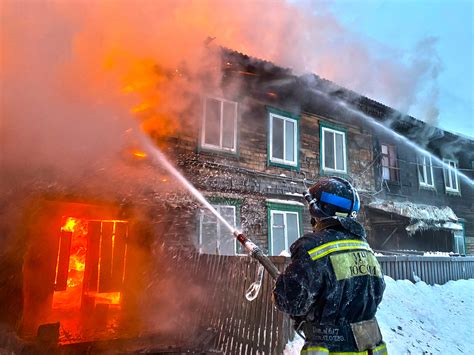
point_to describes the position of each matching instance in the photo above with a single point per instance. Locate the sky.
(404, 24)
(423, 319)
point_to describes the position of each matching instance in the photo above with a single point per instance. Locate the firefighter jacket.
(332, 281)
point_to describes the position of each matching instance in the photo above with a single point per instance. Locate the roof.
(421, 216)
(405, 124)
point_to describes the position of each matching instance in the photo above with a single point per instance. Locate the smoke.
(77, 75)
(80, 78)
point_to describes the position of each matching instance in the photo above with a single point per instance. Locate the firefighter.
(333, 284)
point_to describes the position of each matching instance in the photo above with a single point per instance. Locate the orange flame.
(139, 154)
(69, 225)
(107, 297)
(77, 258)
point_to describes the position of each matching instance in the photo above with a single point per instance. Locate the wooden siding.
(247, 175)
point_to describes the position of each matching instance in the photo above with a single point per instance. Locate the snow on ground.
(422, 319)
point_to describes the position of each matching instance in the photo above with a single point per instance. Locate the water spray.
(386, 129)
(253, 250)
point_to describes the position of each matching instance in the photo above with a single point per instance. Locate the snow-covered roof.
(421, 216)
(285, 202)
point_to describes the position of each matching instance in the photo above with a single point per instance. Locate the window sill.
(326, 172)
(453, 192)
(218, 151)
(392, 182)
(281, 164)
(427, 187)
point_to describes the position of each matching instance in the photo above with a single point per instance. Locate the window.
(425, 171)
(450, 176)
(390, 170)
(283, 140)
(459, 246)
(333, 150)
(219, 126)
(284, 227)
(214, 236)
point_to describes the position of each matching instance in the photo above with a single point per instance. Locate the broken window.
(284, 229)
(219, 126)
(390, 170)
(425, 171)
(214, 236)
(450, 176)
(333, 150)
(283, 140)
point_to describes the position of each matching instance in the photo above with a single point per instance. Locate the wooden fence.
(432, 270)
(243, 327)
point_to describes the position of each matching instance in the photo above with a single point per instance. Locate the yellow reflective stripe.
(316, 350)
(351, 353)
(339, 245)
(380, 350)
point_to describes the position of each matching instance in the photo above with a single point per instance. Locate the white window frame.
(285, 213)
(203, 130)
(423, 180)
(448, 176)
(220, 227)
(295, 142)
(323, 145)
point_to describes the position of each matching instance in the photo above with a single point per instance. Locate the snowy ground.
(422, 319)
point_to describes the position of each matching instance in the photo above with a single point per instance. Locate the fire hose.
(265, 263)
(257, 253)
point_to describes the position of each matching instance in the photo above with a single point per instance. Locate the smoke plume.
(75, 74)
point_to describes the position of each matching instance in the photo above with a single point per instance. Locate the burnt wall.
(408, 187)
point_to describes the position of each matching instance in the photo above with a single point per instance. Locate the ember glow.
(139, 154)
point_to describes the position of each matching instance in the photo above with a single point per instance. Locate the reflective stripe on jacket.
(319, 350)
(333, 280)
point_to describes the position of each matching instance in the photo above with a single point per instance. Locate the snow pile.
(421, 216)
(418, 318)
(416, 211)
(438, 253)
(286, 202)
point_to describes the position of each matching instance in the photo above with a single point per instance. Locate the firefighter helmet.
(332, 196)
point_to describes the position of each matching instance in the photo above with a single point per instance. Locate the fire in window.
(390, 170)
(90, 263)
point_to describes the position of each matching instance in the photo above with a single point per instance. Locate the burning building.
(92, 225)
(88, 258)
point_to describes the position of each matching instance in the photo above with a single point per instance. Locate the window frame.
(459, 239)
(212, 147)
(446, 170)
(335, 131)
(285, 209)
(285, 116)
(395, 168)
(422, 163)
(217, 204)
